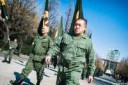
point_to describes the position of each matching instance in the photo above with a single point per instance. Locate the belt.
(68, 65)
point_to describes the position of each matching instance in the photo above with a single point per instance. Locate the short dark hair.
(85, 20)
(40, 27)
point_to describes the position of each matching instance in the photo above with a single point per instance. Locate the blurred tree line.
(22, 16)
(122, 70)
(122, 67)
(99, 66)
(22, 22)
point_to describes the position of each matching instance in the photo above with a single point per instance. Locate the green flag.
(44, 20)
(60, 28)
(78, 13)
(3, 10)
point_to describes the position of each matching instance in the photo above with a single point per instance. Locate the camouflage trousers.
(68, 76)
(9, 55)
(38, 66)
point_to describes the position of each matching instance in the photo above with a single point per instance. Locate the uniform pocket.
(81, 49)
(45, 44)
(82, 46)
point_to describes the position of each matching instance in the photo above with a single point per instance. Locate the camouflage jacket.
(75, 50)
(13, 45)
(40, 46)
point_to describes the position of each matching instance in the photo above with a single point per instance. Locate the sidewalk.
(11, 71)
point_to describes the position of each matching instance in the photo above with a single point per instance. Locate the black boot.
(38, 82)
(17, 82)
(4, 61)
(8, 62)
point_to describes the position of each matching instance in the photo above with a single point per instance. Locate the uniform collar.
(42, 37)
(82, 36)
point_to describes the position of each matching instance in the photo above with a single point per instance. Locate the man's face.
(45, 30)
(15, 40)
(79, 27)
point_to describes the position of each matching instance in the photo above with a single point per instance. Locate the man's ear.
(85, 29)
(85, 26)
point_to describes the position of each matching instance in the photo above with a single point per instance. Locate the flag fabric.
(3, 10)
(60, 28)
(46, 14)
(78, 13)
(44, 20)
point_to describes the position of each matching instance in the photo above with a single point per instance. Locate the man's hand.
(47, 59)
(8, 39)
(90, 79)
(10, 48)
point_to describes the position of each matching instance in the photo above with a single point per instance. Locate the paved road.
(11, 71)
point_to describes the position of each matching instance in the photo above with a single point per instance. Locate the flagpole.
(5, 17)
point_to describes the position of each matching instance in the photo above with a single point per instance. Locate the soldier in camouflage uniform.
(76, 50)
(40, 47)
(10, 52)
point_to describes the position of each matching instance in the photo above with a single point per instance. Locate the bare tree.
(69, 16)
(99, 66)
(122, 67)
(99, 62)
(54, 13)
(22, 15)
